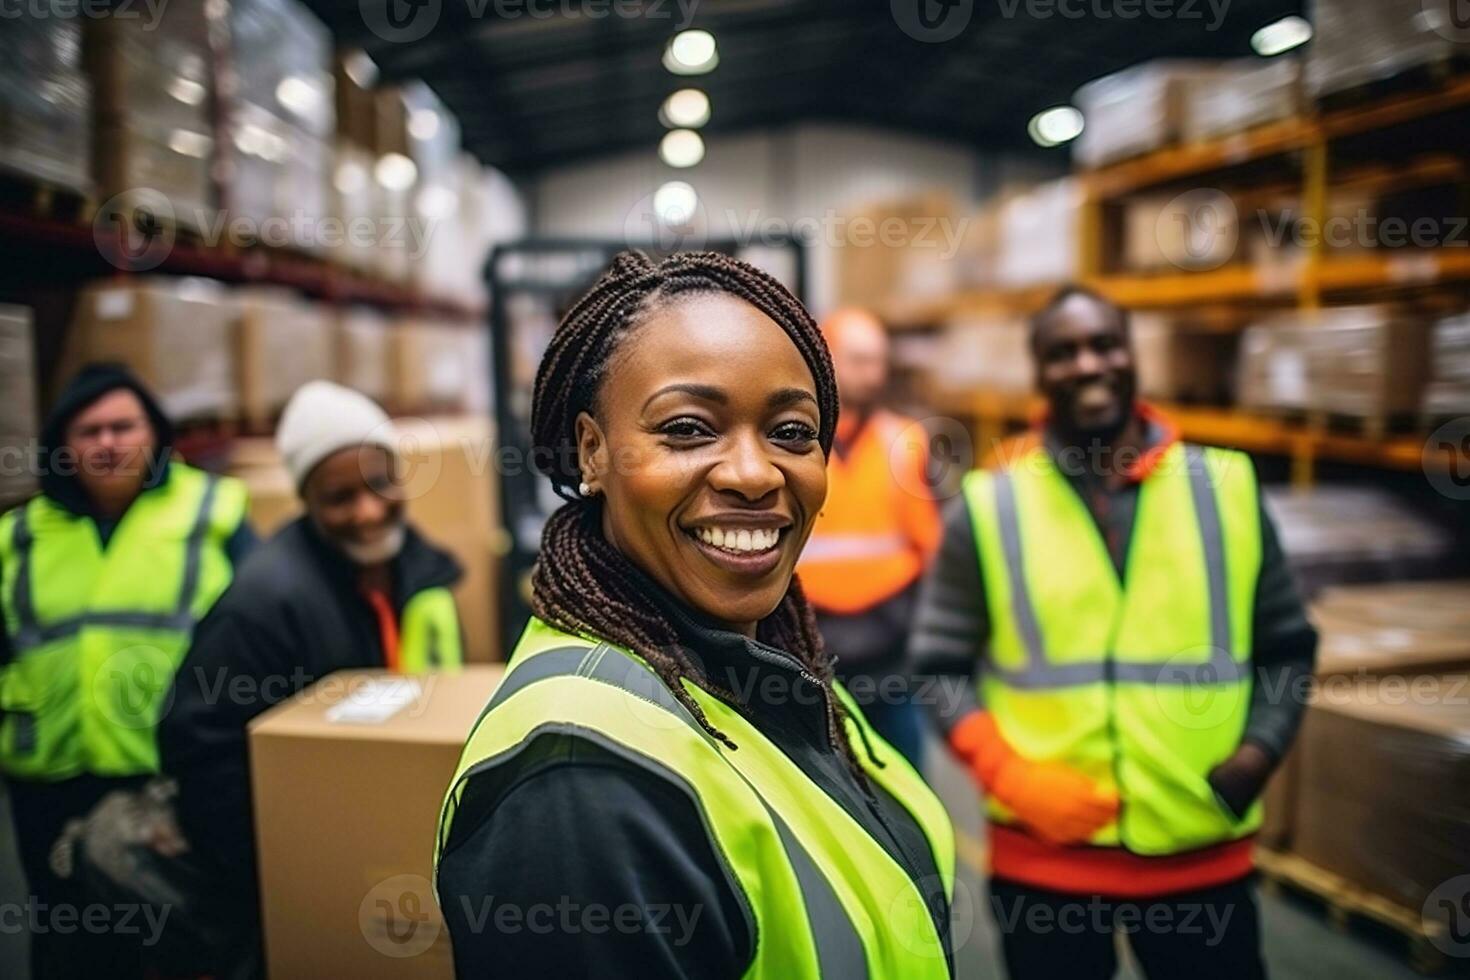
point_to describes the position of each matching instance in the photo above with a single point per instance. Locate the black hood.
(58, 477)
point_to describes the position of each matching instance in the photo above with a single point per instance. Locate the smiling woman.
(669, 734)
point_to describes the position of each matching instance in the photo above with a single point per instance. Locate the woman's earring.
(584, 489)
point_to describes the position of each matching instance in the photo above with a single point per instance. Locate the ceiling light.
(691, 53)
(675, 203)
(395, 171)
(350, 178)
(1283, 35)
(423, 124)
(298, 95)
(681, 148)
(186, 90)
(1055, 126)
(360, 68)
(687, 108)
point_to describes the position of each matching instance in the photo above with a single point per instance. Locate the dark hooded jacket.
(57, 467)
(292, 615)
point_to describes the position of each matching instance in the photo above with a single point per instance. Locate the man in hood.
(103, 575)
(350, 584)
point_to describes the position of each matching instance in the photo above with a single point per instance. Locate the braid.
(581, 582)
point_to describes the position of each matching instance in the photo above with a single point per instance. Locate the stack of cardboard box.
(45, 100)
(281, 342)
(1449, 391)
(154, 89)
(1377, 789)
(19, 416)
(176, 334)
(1140, 109)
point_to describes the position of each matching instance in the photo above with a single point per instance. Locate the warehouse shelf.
(74, 244)
(1273, 139)
(996, 412)
(1399, 268)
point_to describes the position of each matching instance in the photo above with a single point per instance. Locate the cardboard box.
(364, 352)
(1181, 361)
(1139, 109)
(1384, 798)
(282, 343)
(433, 365)
(20, 420)
(45, 99)
(1039, 235)
(1401, 628)
(1278, 804)
(346, 812)
(176, 335)
(896, 251)
(1357, 43)
(1253, 92)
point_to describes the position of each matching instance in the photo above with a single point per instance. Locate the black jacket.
(292, 615)
(577, 828)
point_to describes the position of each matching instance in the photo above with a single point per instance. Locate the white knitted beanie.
(323, 417)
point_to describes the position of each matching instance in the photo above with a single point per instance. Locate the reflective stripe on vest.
(429, 634)
(29, 633)
(1039, 674)
(806, 919)
(846, 547)
(97, 633)
(1141, 684)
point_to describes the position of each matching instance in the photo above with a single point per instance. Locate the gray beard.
(377, 553)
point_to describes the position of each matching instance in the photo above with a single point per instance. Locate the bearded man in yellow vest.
(103, 575)
(1114, 613)
(877, 530)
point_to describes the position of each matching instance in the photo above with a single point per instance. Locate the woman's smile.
(742, 544)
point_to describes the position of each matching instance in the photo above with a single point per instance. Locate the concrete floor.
(1299, 943)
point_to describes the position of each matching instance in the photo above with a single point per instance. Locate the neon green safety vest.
(97, 633)
(428, 633)
(1143, 685)
(825, 898)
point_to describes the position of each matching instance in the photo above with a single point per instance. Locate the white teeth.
(742, 540)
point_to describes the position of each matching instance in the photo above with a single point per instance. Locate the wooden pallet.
(1346, 902)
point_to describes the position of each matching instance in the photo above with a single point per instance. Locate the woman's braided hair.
(582, 583)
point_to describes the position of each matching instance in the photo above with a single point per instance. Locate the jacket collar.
(1159, 433)
(418, 565)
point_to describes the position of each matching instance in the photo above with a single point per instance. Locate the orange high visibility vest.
(879, 525)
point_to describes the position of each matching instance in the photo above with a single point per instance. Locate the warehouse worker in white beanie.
(349, 584)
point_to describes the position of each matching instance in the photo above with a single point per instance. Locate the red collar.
(1163, 430)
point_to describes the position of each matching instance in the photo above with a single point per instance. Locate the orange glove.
(1059, 804)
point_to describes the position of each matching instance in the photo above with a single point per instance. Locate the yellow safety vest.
(826, 898)
(97, 633)
(1142, 685)
(428, 633)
